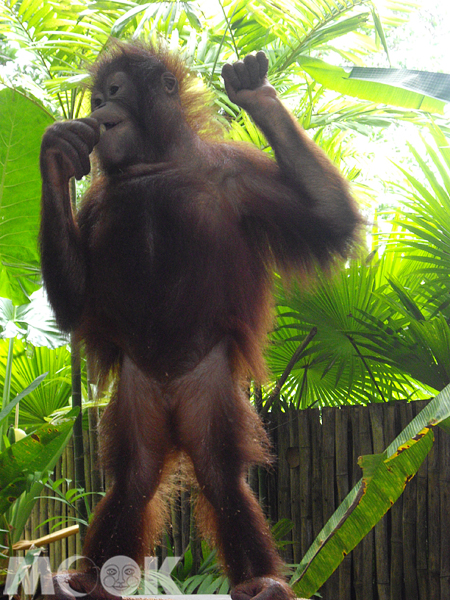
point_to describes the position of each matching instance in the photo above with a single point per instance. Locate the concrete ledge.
(185, 597)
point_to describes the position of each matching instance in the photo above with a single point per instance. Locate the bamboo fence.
(405, 557)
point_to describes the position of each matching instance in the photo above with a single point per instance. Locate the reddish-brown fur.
(166, 273)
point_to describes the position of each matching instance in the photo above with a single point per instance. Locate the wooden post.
(376, 412)
(284, 476)
(366, 446)
(356, 476)
(444, 494)
(305, 477)
(331, 587)
(409, 522)
(294, 459)
(316, 492)
(421, 520)
(342, 483)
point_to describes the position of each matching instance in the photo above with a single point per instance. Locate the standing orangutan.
(166, 274)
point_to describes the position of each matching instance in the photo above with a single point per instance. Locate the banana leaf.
(385, 476)
(384, 89)
(35, 453)
(22, 123)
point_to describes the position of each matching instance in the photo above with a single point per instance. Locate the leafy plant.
(382, 329)
(22, 123)
(71, 499)
(384, 479)
(23, 467)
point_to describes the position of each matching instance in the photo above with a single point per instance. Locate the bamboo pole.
(365, 436)
(421, 528)
(284, 483)
(444, 497)
(295, 492)
(376, 412)
(331, 587)
(343, 487)
(51, 538)
(409, 522)
(357, 553)
(391, 429)
(305, 480)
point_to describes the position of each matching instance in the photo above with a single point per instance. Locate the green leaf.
(22, 123)
(406, 298)
(32, 454)
(433, 85)
(5, 412)
(33, 322)
(281, 529)
(338, 79)
(379, 30)
(384, 479)
(127, 18)
(29, 363)
(337, 353)
(37, 323)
